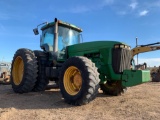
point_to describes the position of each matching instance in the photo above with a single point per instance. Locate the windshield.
(66, 37)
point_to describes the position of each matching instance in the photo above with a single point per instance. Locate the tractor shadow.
(48, 99)
(101, 95)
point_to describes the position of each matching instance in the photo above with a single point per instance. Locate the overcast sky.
(120, 20)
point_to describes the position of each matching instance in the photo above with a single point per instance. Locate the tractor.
(78, 68)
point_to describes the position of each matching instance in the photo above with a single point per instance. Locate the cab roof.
(61, 23)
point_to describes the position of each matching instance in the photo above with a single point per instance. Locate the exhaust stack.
(55, 41)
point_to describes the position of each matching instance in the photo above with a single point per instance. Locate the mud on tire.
(79, 81)
(23, 71)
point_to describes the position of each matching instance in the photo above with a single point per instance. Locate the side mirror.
(36, 31)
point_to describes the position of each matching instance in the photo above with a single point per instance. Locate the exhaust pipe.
(55, 41)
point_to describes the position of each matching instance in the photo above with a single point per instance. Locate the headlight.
(116, 46)
(122, 46)
(129, 47)
(126, 46)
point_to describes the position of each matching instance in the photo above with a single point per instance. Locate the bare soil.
(140, 102)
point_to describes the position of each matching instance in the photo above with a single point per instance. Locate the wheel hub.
(18, 70)
(72, 80)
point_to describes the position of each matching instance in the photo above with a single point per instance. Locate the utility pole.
(137, 46)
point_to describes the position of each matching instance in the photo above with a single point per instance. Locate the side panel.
(101, 53)
(135, 77)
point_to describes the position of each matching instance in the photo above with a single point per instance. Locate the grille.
(121, 59)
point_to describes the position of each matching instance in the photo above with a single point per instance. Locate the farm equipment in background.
(4, 73)
(142, 66)
(78, 68)
(155, 72)
(145, 48)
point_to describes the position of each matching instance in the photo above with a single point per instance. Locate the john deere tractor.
(79, 69)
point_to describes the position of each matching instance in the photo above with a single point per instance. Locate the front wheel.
(79, 81)
(113, 88)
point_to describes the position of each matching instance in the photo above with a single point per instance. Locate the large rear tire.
(113, 88)
(42, 79)
(79, 81)
(23, 71)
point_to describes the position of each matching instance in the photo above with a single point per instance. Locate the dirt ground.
(140, 102)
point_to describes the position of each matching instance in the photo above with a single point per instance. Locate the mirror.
(36, 31)
(132, 65)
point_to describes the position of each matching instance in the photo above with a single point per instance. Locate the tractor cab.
(57, 35)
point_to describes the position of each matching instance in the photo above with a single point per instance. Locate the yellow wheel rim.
(18, 69)
(72, 80)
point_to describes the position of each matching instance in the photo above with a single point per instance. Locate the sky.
(119, 20)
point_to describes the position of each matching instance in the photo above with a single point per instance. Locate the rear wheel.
(79, 81)
(23, 71)
(42, 80)
(112, 88)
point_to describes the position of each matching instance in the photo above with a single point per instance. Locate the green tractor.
(79, 69)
